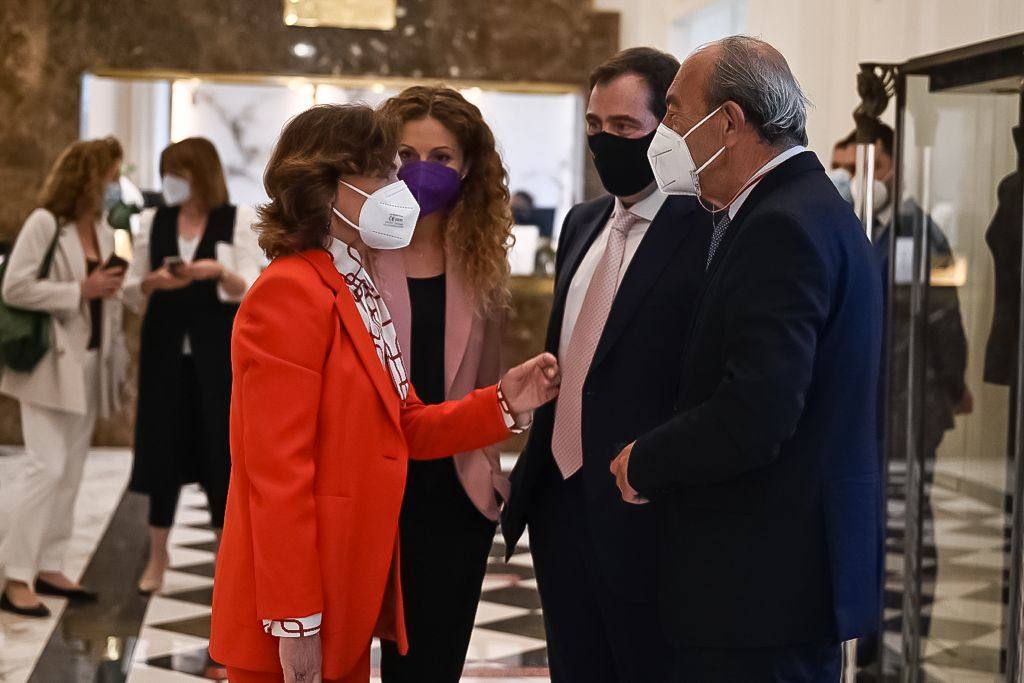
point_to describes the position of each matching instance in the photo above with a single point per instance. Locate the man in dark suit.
(628, 269)
(766, 480)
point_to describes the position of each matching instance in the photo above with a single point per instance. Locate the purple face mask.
(435, 186)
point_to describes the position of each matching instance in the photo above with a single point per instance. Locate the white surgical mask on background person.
(879, 197)
(672, 162)
(843, 181)
(176, 190)
(388, 217)
(111, 195)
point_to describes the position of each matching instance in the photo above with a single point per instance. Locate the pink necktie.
(567, 437)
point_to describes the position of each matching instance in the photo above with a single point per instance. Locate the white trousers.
(40, 507)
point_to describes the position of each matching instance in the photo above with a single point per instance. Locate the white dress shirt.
(785, 156)
(645, 210)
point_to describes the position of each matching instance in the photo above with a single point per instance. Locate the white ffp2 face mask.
(879, 194)
(672, 163)
(176, 190)
(388, 217)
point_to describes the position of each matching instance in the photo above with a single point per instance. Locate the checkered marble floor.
(965, 549)
(507, 643)
(965, 552)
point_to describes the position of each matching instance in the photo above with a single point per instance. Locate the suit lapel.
(588, 233)
(459, 313)
(671, 227)
(71, 248)
(353, 323)
(805, 161)
(105, 237)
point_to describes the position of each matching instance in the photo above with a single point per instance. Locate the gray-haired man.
(766, 481)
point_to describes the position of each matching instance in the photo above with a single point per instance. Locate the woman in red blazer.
(323, 418)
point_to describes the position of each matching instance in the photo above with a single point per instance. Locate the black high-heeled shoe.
(72, 594)
(37, 610)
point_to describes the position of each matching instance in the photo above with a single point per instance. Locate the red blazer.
(319, 444)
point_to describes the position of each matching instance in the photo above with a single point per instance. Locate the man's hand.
(301, 659)
(619, 468)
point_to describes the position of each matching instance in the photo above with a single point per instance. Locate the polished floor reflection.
(965, 549)
(128, 637)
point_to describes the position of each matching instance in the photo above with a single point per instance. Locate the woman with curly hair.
(447, 292)
(80, 376)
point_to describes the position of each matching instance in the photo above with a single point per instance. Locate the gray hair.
(754, 75)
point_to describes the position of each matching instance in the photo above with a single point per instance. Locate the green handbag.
(25, 335)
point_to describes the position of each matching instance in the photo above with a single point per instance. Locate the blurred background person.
(947, 393)
(78, 379)
(447, 293)
(522, 207)
(325, 418)
(630, 265)
(194, 260)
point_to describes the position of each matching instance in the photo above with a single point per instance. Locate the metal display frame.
(994, 66)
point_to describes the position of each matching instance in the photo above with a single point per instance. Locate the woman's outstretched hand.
(532, 384)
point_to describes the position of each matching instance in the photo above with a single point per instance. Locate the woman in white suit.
(80, 377)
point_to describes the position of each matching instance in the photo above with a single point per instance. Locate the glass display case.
(950, 244)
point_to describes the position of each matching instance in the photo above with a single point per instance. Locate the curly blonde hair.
(75, 184)
(479, 225)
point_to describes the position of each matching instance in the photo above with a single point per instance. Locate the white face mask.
(672, 163)
(879, 195)
(176, 190)
(388, 217)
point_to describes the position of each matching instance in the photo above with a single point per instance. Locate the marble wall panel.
(46, 46)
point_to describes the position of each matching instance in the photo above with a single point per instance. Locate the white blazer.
(58, 381)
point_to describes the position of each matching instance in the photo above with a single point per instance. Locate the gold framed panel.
(381, 15)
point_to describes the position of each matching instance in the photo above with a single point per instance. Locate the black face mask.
(622, 162)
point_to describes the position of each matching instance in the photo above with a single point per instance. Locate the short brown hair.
(315, 149)
(656, 68)
(78, 177)
(199, 158)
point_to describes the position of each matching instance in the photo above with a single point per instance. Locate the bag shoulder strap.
(44, 268)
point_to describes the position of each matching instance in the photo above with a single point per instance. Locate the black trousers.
(445, 545)
(592, 635)
(794, 664)
(202, 457)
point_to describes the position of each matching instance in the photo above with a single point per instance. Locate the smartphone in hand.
(115, 262)
(175, 265)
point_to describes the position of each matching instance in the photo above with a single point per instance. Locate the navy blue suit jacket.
(767, 481)
(631, 387)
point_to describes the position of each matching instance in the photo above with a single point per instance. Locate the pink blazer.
(472, 359)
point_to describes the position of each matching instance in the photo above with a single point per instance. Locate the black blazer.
(632, 385)
(767, 480)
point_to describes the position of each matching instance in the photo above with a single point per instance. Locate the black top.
(426, 367)
(95, 312)
(161, 453)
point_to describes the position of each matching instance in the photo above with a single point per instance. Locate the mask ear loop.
(743, 189)
(339, 214)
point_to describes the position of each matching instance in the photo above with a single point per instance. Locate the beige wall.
(825, 39)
